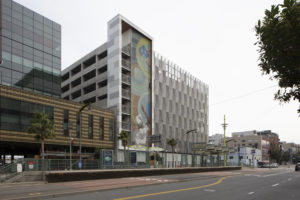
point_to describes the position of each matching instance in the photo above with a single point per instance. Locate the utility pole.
(224, 125)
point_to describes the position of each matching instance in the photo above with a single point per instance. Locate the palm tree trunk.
(43, 150)
(124, 154)
(43, 157)
(172, 157)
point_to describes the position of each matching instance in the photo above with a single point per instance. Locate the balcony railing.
(126, 64)
(126, 109)
(126, 126)
(126, 49)
(126, 93)
(126, 79)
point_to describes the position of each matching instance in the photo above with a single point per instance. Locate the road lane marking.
(289, 179)
(250, 193)
(276, 174)
(173, 191)
(38, 193)
(275, 185)
(207, 190)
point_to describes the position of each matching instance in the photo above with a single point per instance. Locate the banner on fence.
(107, 157)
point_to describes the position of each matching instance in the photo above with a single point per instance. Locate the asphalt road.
(273, 184)
(282, 183)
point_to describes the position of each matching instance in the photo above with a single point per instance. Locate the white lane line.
(208, 190)
(276, 174)
(289, 179)
(275, 185)
(250, 193)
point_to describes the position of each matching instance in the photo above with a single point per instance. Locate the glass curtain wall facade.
(30, 49)
(15, 115)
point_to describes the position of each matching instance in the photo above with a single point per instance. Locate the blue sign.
(80, 164)
(107, 157)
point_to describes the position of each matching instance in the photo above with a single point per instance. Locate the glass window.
(16, 59)
(38, 17)
(16, 7)
(27, 63)
(6, 10)
(90, 130)
(38, 65)
(27, 12)
(15, 115)
(78, 129)
(17, 15)
(6, 56)
(101, 128)
(111, 130)
(56, 72)
(7, 3)
(66, 123)
(47, 69)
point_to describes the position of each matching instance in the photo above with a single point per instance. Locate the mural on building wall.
(140, 89)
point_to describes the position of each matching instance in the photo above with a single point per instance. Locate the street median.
(80, 175)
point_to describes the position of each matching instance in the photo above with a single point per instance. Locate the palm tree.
(42, 126)
(124, 136)
(172, 142)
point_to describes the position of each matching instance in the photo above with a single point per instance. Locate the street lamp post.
(187, 133)
(79, 115)
(224, 125)
(70, 126)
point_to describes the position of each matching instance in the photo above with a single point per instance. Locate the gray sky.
(212, 40)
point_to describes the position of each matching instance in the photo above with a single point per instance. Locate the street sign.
(253, 151)
(198, 146)
(154, 138)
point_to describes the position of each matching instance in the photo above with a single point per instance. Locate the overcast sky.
(213, 40)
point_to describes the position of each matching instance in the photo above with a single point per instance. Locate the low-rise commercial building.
(17, 108)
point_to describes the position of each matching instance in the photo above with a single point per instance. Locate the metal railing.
(126, 64)
(133, 159)
(126, 49)
(126, 93)
(126, 109)
(126, 126)
(126, 79)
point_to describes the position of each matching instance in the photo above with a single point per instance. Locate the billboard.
(141, 62)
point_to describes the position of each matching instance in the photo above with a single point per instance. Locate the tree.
(42, 126)
(172, 142)
(286, 156)
(278, 36)
(124, 136)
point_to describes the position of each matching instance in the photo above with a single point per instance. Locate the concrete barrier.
(79, 175)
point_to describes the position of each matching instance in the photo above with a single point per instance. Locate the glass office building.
(30, 50)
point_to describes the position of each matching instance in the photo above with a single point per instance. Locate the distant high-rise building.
(149, 94)
(30, 50)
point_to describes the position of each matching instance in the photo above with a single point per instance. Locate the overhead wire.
(242, 96)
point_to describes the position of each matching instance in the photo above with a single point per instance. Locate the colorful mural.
(140, 88)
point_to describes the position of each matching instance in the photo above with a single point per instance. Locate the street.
(278, 183)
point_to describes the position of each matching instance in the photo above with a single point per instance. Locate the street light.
(70, 126)
(79, 115)
(187, 133)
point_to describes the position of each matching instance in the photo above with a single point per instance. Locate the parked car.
(297, 167)
(274, 165)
